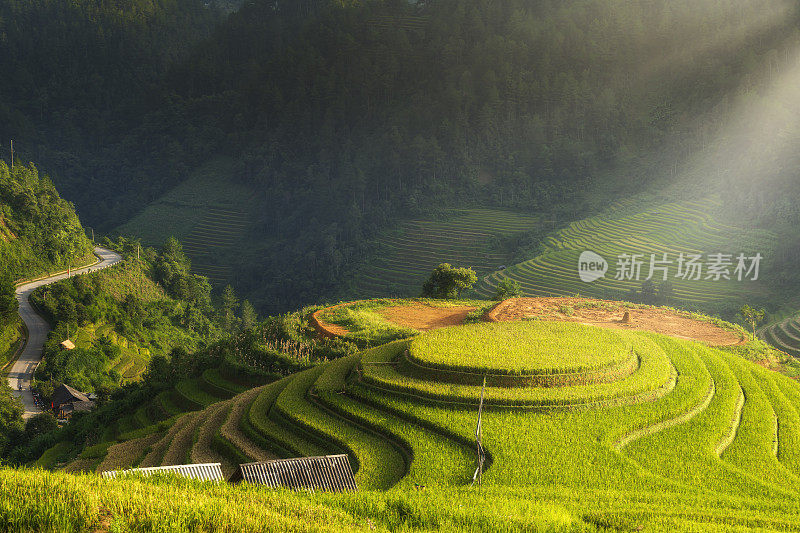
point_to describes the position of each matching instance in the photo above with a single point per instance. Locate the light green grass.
(655, 464)
(530, 347)
(271, 432)
(380, 465)
(672, 228)
(653, 378)
(42, 501)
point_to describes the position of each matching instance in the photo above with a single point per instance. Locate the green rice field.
(687, 227)
(528, 347)
(466, 238)
(691, 437)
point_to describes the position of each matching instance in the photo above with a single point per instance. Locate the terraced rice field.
(688, 418)
(132, 360)
(683, 227)
(407, 256)
(177, 425)
(212, 237)
(632, 428)
(209, 213)
(785, 335)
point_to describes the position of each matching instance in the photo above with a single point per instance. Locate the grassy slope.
(672, 228)
(124, 280)
(407, 253)
(10, 338)
(208, 212)
(718, 451)
(521, 347)
(672, 471)
(365, 323)
(31, 500)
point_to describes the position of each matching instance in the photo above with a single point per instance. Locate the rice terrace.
(399, 266)
(604, 426)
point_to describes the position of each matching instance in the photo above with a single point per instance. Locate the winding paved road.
(19, 377)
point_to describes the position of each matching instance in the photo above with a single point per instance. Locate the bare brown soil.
(424, 317)
(326, 329)
(611, 316)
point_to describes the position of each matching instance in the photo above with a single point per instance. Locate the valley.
(453, 265)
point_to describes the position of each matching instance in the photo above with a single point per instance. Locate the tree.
(447, 282)
(8, 301)
(11, 410)
(507, 288)
(665, 291)
(648, 292)
(228, 306)
(752, 316)
(39, 425)
(249, 316)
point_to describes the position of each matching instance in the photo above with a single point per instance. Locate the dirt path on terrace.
(610, 316)
(425, 317)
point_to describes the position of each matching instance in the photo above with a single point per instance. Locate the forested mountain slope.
(343, 117)
(39, 231)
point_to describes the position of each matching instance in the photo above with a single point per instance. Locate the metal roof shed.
(67, 345)
(330, 473)
(201, 472)
(66, 394)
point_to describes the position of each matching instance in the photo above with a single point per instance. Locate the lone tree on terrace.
(507, 288)
(752, 317)
(447, 282)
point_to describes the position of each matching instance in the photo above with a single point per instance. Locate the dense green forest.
(39, 231)
(342, 117)
(122, 317)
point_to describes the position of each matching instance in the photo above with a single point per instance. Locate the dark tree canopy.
(447, 282)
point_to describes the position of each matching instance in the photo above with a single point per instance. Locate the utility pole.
(12, 153)
(478, 475)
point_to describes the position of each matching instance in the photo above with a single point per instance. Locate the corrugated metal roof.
(66, 394)
(203, 472)
(88, 405)
(328, 473)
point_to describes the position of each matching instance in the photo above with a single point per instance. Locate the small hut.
(66, 401)
(67, 345)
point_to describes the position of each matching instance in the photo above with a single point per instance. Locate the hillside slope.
(39, 231)
(405, 256)
(549, 108)
(672, 228)
(699, 437)
(39, 234)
